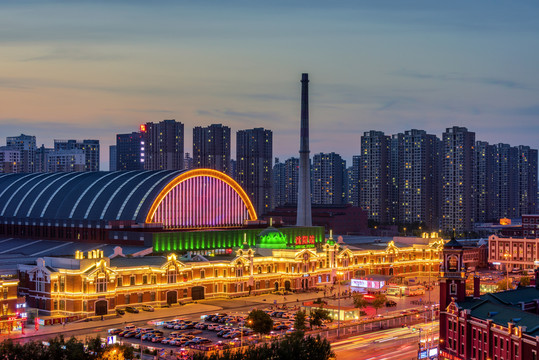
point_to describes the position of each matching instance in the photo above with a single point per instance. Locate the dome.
(271, 238)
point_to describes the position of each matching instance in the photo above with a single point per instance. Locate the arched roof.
(91, 196)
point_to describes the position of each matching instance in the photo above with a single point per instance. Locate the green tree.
(299, 322)
(360, 302)
(525, 281)
(259, 321)
(318, 316)
(379, 301)
(94, 345)
(504, 284)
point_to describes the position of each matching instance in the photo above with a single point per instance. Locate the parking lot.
(217, 330)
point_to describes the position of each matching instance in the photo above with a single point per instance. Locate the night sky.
(92, 69)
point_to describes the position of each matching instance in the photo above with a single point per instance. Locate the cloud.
(505, 83)
(234, 114)
(73, 54)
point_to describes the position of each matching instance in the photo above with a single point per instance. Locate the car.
(115, 331)
(391, 303)
(131, 309)
(130, 334)
(167, 340)
(147, 308)
(157, 338)
(204, 341)
(120, 311)
(280, 327)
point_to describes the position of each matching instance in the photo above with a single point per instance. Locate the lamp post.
(339, 305)
(506, 256)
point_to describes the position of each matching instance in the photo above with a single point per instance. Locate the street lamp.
(339, 305)
(506, 256)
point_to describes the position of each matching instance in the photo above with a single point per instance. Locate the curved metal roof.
(106, 196)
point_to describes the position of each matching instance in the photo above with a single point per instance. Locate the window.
(101, 283)
(144, 279)
(62, 305)
(127, 298)
(216, 273)
(152, 296)
(132, 280)
(485, 337)
(40, 283)
(516, 350)
(84, 286)
(119, 281)
(473, 332)
(453, 289)
(140, 297)
(154, 279)
(202, 274)
(171, 276)
(62, 284)
(495, 341)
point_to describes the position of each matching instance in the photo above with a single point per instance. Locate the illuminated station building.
(199, 238)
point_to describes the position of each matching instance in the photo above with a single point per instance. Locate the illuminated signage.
(20, 306)
(305, 240)
(142, 128)
(111, 340)
(371, 284)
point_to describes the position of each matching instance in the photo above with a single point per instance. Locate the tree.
(379, 301)
(299, 323)
(259, 321)
(318, 315)
(504, 284)
(525, 281)
(360, 302)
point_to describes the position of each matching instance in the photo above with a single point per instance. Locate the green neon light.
(273, 240)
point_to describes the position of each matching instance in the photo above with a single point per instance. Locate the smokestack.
(304, 217)
(476, 288)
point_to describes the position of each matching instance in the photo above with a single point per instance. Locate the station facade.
(90, 284)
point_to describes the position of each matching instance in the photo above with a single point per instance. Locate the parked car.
(391, 303)
(130, 334)
(131, 309)
(120, 311)
(115, 331)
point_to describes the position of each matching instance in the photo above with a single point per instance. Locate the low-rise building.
(92, 284)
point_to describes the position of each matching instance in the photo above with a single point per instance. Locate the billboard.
(369, 284)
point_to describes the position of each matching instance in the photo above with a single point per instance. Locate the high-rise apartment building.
(374, 181)
(10, 160)
(458, 179)
(328, 179)
(395, 169)
(353, 181)
(486, 160)
(418, 178)
(188, 161)
(254, 155)
(285, 181)
(113, 161)
(506, 182)
(89, 147)
(67, 161)
(42, 159)
(527, 171)
(163, 145)
(26, 145)
(211, 147)
(130, 151)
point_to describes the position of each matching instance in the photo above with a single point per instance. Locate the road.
(399, 343)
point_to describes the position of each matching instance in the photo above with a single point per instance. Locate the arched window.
(101, 283)
(171, 275)
(260, 269)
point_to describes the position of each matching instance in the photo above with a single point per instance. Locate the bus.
(395, 290)
(414, 290)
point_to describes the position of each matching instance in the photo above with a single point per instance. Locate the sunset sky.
(92, 69)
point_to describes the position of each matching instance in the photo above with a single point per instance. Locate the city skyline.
(386, 66)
